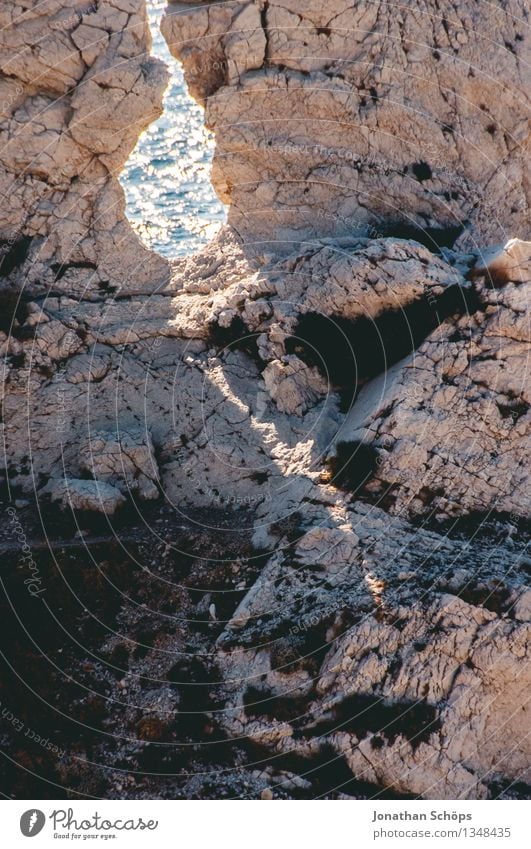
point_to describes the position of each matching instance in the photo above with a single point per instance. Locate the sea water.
(170, 200)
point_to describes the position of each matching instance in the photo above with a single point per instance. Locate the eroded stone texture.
(400, 648)
(506, 263)
(77, 86)
(87, 495)
(357, 403)
(124, 460)
(364, 115)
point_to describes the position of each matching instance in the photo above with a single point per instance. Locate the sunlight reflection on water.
(170, 200)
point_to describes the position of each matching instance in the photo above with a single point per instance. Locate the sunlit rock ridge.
(343, 371)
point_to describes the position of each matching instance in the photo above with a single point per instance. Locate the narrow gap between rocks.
(171, 202)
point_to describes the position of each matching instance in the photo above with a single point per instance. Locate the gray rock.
(95, 496)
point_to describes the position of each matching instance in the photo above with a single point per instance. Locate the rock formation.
(331, 117)
(77, 87)
(339, 381)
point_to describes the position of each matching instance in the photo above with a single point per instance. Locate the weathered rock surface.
(399, 648)
(77, 86)
(337, 117)
(506, 263)
(337, 372)
(92, 495)
(124, 460)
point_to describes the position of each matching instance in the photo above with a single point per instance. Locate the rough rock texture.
(91, 495)
(505, 263)
(399, 648)
(350, 116)
(339, 381)
(77, 86)
(125, 460)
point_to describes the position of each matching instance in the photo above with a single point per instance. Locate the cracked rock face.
(89, 495)
(125, 460)
(413, 122)
(415, 675)
(77, 86)
(341, 375)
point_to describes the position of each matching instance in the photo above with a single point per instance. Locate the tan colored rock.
(78, 88)
(292, 385)
(327, 372)
(408, 682)
(507, 263)
(219, 42)
(390, 148)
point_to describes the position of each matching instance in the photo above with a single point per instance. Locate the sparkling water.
(170, 200)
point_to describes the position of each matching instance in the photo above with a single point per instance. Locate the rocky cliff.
(295, 463)
(335, 117)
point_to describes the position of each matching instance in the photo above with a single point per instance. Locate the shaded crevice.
(13, 307)
(260, 702)
(237, 337)
(13, 254)
(363, 714)
(507, 789)
(329, 774)
(60, 269)
(352, 466)
(490, 526)
(513, 410)
(350, 352)
(495, 598)
(433, 238)
(263, 22)
(421, 171)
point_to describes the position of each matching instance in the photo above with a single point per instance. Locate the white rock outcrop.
(77, 87)
(91, 495)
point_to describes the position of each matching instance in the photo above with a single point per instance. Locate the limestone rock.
(342, 374)
(92, 495)
(507, 263)
(79, 88)
(125, 460)
(403, 664)
(391, 148)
